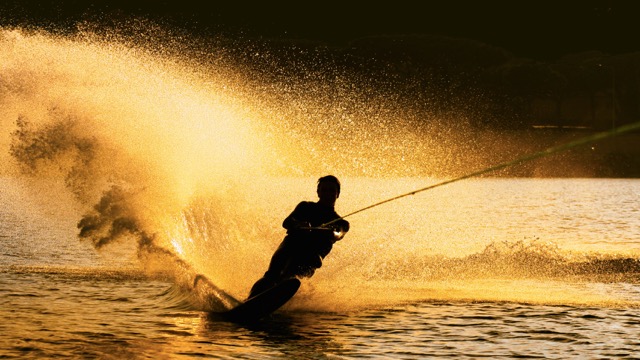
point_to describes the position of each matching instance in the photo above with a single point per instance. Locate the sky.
(537, 29)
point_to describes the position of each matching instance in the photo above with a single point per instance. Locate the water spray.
(540, 154)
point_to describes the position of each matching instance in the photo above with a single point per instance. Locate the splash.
(167, 151)
(517, 272)
(133, 135)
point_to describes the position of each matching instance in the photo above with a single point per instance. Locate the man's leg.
(279, 262)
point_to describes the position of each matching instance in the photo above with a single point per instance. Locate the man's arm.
(293, 222)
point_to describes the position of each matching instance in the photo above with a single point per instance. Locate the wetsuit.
(302, 250)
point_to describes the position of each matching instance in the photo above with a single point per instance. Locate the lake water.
(498, 268)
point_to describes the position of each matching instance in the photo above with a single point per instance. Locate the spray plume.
(131, 136)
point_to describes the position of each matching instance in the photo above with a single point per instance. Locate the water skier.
(306, 243)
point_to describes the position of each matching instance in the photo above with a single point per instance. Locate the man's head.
(328, 189)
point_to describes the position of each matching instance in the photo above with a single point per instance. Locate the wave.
(198, 294)
(515, 260)
(114, 274)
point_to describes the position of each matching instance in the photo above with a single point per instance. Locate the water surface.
(577, 300)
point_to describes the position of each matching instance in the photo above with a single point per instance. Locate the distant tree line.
(485, 85)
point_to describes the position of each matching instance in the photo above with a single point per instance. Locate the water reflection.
(295, 335)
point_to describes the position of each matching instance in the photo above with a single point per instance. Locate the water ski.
(264, 303)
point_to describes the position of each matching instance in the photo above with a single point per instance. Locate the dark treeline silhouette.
(483, 84)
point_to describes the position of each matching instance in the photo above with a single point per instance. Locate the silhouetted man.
(306, 244)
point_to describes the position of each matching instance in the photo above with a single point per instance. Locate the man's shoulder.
(307, 204)
(304, 206)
